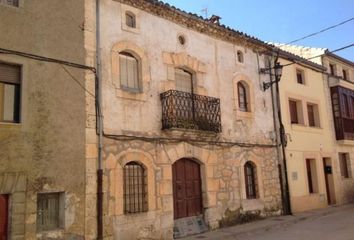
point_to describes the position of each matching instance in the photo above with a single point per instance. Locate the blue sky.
(284, 20)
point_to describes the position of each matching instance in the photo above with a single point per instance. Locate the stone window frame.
(133, 11)
(139, 53)
(247, 83)
(114, 166)
(143, 207)
(237, 51)
(190, 64)
(258, 164)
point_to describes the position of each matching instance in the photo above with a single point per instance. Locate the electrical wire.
(46, 59)
(192, 141)
(319, 32)
(77, 81)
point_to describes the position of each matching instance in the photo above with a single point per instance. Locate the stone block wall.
(222, 180)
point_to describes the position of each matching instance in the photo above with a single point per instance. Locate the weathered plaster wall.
(46, 151)
(217, 71)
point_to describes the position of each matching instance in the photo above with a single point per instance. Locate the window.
(344, 164)
(50, 211)
(345, 74)
(129, 70)
(300, 76)
(242, 97)
(10, 78)
(313, 115)
(130, 20)
(251, 180)
(332, 69)
(346, 112)
(312, 175)
(295, 112)
(14, 3)
(184, 80)
(135, 188)
(240, 57)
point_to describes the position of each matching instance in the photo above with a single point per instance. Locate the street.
(335, 224)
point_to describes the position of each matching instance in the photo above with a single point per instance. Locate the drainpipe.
(100, 127)
(277, 140)
(286, 195)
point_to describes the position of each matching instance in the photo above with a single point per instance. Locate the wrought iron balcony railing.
(190, 111)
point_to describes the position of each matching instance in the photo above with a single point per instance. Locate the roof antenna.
(205, 11)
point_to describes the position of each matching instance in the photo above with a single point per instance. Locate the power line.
(46, 59)
(77, 81)
(319, 32)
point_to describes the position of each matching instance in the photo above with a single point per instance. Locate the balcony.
(184, 110)
(343, 112)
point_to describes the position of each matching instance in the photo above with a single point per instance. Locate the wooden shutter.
(129, 72)
(311, 115)
(293, 111)
(183, 80)
(10, 73)
(242, 97)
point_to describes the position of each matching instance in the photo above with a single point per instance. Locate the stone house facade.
(188, 130)
(43, 130)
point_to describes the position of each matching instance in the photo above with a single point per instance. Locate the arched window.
(251, 180)
(135, 188)
(130, 20)
(129, 71)
(184, 80)
(242, 97)
(240, 56)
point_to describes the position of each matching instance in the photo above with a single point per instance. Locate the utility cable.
(316, 33)
(46, 59)
(77, 81)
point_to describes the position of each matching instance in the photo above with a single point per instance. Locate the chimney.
(215, 19)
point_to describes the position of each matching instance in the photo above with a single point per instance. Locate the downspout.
(286, 199)
(100, 127)
(277, 141)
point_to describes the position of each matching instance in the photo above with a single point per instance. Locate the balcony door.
(187, 193)
(184, 80)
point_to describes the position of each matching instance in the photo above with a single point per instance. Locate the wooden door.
(187, 194)
(4, 209)
(327, 164)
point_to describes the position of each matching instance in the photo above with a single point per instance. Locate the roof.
(195, 22)
(215, 29)
(329, 54)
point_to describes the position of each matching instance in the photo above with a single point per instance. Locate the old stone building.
(338, 91)
(188, 130)
(43, 120)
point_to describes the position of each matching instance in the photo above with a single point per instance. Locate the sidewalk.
(267, 224)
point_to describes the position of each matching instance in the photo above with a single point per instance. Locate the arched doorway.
(187, 193)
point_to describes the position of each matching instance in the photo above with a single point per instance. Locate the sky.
(283, 21)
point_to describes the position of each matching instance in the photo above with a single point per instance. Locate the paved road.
(335, 226)
(333, 223)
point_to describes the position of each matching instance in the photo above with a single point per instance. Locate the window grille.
(135, 188)
(251, 180)
(48, 210)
